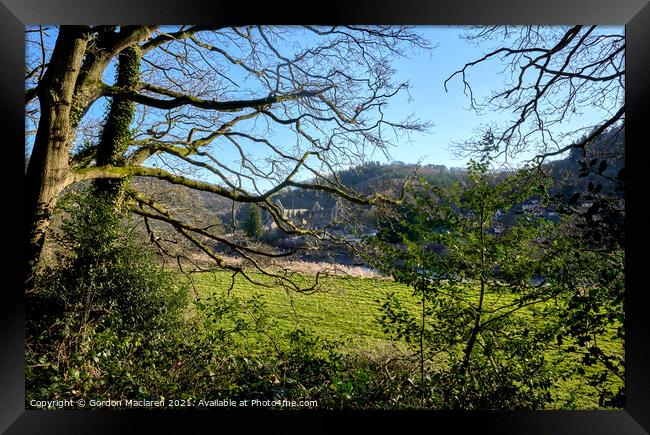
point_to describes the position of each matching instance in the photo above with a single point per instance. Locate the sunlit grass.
(346, 312)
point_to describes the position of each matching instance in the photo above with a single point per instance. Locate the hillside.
(365, 179)
(602, 164)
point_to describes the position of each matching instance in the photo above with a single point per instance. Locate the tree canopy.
(241, 112)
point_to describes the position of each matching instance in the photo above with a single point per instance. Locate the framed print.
(376, 213)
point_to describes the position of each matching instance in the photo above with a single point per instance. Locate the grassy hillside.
(346, 313)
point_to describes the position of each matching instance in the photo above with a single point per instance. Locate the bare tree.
(551, 74)
(292, 103)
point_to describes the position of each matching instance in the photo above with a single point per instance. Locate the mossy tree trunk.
(116, 133)
(48, 171)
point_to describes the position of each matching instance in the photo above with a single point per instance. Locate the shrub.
(106, 273)
(94, 308)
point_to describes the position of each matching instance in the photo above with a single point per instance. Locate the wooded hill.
(602, 164)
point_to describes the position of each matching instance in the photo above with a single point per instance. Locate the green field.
(346, 312)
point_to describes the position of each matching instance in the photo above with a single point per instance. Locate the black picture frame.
(16, 14)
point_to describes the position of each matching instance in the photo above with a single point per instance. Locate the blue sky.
(448, 111)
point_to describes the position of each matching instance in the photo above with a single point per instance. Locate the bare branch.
(222, 106)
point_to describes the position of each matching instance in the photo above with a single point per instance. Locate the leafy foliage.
(105, 270)
(103, 295)
(476, 351)
(547, 294)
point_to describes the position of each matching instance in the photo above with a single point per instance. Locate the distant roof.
(316, 206)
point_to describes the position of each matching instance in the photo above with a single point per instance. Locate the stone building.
(315, 217)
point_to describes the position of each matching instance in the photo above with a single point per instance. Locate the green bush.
(105, 273)
(92, 310)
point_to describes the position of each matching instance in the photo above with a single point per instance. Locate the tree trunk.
(116, 132)
(70, 85)
(479, 309)
(48, 171)
(475, 329)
